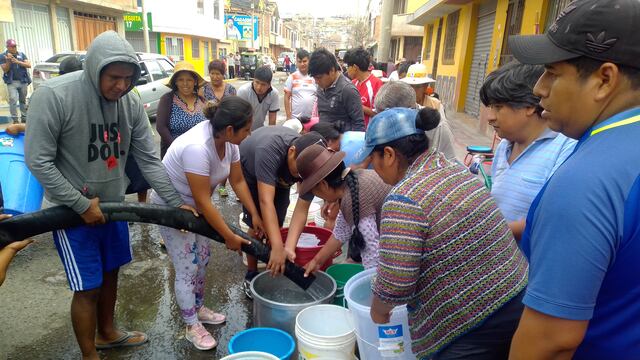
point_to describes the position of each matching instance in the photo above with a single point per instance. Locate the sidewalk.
(468, 130)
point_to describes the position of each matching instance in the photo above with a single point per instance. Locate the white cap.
(293, 124)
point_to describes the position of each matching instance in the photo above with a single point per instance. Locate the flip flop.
(123, 341)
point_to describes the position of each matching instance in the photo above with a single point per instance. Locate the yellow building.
(464, 40)
(198, 51)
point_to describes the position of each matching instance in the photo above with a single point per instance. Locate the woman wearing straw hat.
(445, 249)
(361, 194)
(180, 109)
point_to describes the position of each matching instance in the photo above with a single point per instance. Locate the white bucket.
(251, 355)
(326, 332)
(376, 341)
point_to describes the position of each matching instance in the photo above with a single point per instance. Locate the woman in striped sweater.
(445, 249)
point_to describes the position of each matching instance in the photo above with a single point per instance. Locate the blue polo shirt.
(582, 240)
(515, 185)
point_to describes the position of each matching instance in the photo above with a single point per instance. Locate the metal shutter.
(486, 20)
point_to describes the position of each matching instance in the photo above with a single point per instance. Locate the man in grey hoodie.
(81, 128)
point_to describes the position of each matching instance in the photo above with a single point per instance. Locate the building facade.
(44, 28)
(464, 40)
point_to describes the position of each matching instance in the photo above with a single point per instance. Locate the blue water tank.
(21, 191)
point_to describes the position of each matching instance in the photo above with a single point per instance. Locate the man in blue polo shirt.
(583, 230)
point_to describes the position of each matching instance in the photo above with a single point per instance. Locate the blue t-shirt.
(515, 185)
(583, 240)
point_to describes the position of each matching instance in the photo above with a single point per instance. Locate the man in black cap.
(583, 230)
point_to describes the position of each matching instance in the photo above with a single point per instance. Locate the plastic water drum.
(350, 143)
(270, 340)
(251, 355)
(375, 341)
(341, 273)
(21, 191)
(325, 332)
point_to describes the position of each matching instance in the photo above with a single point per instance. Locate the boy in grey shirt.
(262, 97)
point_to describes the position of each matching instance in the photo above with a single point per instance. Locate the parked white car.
(155, 68)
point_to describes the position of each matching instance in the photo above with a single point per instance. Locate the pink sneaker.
(200, 337)
(207, 316)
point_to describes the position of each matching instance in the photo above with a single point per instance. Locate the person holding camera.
(14, 64)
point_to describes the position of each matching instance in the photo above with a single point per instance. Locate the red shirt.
(368, 90)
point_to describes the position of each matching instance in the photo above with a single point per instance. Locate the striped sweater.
(445, 251)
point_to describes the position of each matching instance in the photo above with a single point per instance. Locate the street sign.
(133, 21)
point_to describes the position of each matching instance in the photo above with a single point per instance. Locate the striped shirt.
(515, 185)
(446, 252)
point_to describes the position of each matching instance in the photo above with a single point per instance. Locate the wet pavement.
(35, 298)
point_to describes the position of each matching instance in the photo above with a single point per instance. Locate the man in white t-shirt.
(300, 89)
(262, 97)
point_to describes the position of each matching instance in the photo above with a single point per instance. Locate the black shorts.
(280, 200)
(137, 182)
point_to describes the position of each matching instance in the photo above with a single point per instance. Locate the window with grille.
(216, 9)
(200, 7)
(450, 36)
(174, 47)
(555, 7)
(427, 50)
(195, 48)
(399, 6)
(512, 27)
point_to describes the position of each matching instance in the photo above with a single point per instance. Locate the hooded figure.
(82, 127)
(80, 134)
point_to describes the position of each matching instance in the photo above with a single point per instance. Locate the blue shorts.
(89, 251)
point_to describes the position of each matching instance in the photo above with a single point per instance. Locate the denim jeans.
(17, 93)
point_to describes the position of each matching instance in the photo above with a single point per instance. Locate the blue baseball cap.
(389, 125)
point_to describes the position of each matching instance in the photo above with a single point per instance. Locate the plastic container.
(277, 300)
(375, 341)
(325, 331)
(306, 254)
(269, 340)
(21, 191)
(341, 273)
(251, 355)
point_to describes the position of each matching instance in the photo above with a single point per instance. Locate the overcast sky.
(322, 8)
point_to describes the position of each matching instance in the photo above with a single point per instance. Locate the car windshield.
(60, 57)
(249, 59)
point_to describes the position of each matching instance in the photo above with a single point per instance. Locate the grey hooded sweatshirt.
(77, 141)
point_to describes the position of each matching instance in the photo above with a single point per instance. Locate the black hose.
(21, 227)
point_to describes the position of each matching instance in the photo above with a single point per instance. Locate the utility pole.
(384, 46)
(145, 28)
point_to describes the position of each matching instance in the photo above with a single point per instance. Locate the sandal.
(126, 340)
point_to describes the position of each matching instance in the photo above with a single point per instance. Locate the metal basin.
(277, 301)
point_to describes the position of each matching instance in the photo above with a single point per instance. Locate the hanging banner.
(241, 27)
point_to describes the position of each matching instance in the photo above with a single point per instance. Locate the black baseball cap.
(598, 29)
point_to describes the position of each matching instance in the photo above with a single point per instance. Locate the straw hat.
(184, 66)
(314, 164)
(417, 75)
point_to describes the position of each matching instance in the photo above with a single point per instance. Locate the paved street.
(35, 297)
